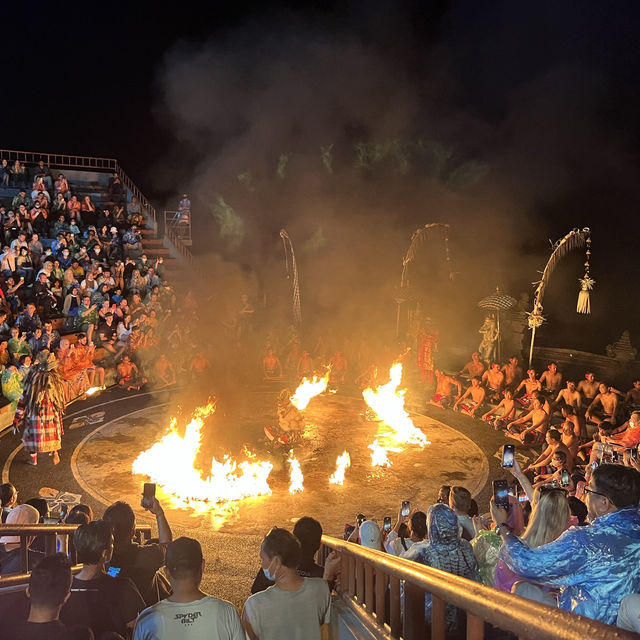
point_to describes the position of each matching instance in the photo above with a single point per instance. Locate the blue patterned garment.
(594, 566)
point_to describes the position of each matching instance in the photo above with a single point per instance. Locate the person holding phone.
(595, 566)
(397, 544)
(139, 562)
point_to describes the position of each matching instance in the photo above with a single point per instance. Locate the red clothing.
(42, 430)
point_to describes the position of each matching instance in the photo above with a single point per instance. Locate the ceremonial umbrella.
(497, 302)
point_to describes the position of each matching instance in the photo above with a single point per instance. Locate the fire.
(308, 389)
(396, 428)
(170, 464)
(342, 464)
(379, 455)
(91, 390)
(295, 475)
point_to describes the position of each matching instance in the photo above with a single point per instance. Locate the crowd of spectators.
(75, 281)
(579, 554)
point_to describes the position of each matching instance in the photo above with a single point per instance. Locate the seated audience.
(208, 617)
(295, 607)
(104, 603)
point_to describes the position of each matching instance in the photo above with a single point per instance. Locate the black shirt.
(54, 630)
(140, 563)
(103, 604)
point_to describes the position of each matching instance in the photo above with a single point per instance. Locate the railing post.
(475, 627)
(395, 618)
(24, 554)
(369, 595)
(414, 627)
(352, 576)
(438, 618)
(360, 581)
(381, 592)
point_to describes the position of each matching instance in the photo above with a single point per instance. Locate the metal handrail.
(50, 532)
(142, 199)
(60, 159)
(366, 574)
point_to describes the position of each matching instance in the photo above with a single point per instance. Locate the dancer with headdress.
(40, 409)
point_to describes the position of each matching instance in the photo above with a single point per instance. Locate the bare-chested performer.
(544, 401)
(508, 407)
(553, 438)
(473, 368)
(271, 367)
(512, 373)
(493, 379)
(529, 384)
(568, 396)
(551, 379)
(339, 367)
(632, 397)
(570, 439)
(442, 397)
(575, 421)
(608, 402)
(305, 365)
(476, 400)
(588, 388)
(530, 428)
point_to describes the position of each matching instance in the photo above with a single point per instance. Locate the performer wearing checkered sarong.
(40, 408)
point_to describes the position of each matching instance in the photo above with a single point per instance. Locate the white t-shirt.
(205, 619)
(276, 614)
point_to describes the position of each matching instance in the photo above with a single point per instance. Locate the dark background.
(544, 97)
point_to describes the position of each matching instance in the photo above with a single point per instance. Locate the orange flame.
(397, 428)
(342, 464)
(170, 464)
(295, 475)
(308, 389)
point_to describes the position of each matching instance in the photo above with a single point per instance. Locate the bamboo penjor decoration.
(417, 238)
(575, 239)
(291, 265)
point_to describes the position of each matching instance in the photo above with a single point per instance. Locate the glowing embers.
(91, 390)
(342, 464)
(396, 429)
(308, 389)
(170, 464)
(296, 484)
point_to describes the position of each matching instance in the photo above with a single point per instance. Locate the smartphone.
(501, 493)
(406, 508)
(564, 478)
(522, 497)
(113, 571)
(508, 452)
(387, 524)
(594, 465)
(148, 494)
(64, 510)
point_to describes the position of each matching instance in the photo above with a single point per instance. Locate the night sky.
(546, 94)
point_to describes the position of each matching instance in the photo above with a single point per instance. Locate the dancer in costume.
(40, 409)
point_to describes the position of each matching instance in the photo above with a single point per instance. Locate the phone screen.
(406, 508)
(501, 493)
(508, 452)
(148, 494)
(113, 571)
(564, 478)
(387, 523)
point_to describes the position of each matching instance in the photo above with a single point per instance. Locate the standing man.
(295, 608)
(188, 612)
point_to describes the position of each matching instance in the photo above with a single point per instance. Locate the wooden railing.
(368, 578)
(52, 533)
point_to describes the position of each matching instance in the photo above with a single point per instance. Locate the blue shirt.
(594, 567)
